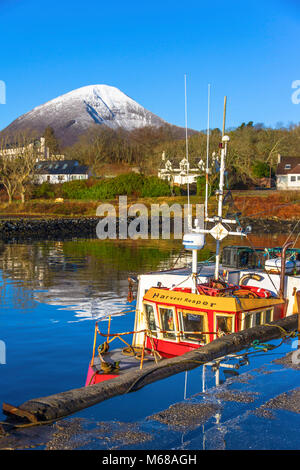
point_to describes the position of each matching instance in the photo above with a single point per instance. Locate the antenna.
(207, 155)
(187, 156)
(224, 116)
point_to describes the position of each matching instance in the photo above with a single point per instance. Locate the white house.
(182, 172)
(37, 145)
(60, 171)
(288, 173)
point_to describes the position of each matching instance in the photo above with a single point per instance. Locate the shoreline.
(43, 228)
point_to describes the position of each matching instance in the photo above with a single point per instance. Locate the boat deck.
(126, 363)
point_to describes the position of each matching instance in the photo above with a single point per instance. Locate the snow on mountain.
(73, 113)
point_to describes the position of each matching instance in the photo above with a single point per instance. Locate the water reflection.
(89, 277)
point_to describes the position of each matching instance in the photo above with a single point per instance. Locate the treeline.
(252, 152)
(140, 147)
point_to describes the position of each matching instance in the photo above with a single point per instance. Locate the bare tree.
(17, 164)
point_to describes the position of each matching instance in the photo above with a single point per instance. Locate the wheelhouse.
(178, 321)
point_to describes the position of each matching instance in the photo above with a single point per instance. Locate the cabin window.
(224, 325)
(167, 322)
(258, 318)
(247, 321)
(268, 316)
(191, 325)
(150, 317)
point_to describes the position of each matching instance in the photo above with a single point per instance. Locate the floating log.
(60, 405)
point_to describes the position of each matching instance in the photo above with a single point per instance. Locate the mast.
(221, 186)
(207, 156)
(187, 156)
(194, 240)
(225, 140)
(224, 116)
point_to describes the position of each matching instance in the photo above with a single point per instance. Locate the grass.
(281, 204)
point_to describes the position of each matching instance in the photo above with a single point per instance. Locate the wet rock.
(236, 396)
(289, 360)
(186, 415)
(68, 435)
(123, 433)
(289, 401)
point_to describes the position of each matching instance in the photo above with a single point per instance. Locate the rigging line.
(207, 156)
(291, 232)
(253, 248)
(296, 240)
(187, 149)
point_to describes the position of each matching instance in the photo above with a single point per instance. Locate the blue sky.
(248, 51)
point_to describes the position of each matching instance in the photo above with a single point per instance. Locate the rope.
(253, 248)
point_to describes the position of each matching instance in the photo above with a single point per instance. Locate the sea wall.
(16, 229)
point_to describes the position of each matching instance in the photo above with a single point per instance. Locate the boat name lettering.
(179, 299)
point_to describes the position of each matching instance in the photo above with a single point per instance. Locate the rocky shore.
(85, 227)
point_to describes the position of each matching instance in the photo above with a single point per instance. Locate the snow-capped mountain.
(73, 113)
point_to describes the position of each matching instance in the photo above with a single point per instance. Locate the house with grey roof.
(60, 171)
(288, 173)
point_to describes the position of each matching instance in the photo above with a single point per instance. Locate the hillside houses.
(38, 146)
(180, 171)
(288, 173)
(60, 171)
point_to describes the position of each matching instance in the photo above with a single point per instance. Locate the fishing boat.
(184, 309)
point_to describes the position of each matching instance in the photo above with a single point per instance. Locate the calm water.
(51, 295)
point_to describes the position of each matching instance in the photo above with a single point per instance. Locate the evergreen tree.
(51, 141)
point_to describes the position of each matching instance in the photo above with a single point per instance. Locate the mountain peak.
(71, 114)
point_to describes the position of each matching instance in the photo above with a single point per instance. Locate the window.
(224, 324)
(257, 318)
(150, 318)
(298, 178)
(268, 316)
(293, 178)
(287, 166)
(167, 322)
(247, 321)
(191, 324)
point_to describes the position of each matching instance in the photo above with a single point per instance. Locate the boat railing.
(141, 351)
(110, 337)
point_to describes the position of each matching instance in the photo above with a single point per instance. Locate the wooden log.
(66, 403)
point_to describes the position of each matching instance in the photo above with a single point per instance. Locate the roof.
(204, 302)
(60, 167)
(175, 161)
(288, 165)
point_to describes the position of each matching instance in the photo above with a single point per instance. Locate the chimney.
(279, 158)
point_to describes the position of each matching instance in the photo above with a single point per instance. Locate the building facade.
(60, 171)
(180, 172)
(288, 173)
(38, 146)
